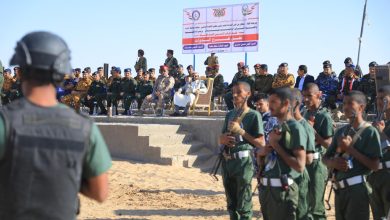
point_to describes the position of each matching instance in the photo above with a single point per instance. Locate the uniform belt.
(349, 182)
(274, 182)
(384, 165)
(240, 154)
(316, 156)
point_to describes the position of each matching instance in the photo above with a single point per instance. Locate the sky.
(297, 32)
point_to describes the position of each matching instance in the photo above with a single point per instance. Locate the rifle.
(225, 150)
(332, 172)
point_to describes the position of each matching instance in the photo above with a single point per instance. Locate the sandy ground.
(148, 191)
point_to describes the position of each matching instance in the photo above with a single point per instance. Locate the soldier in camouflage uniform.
(368, 87)
(263, 80)
(7, 85)
(144, 89)
(211, 61)
(179, 78)
(218, 83)
(114, 89)
(16, 88)
(283, 78)
(128, 89)
(327, 82)
(246, 77)
(78, 94)
(141, 62)
(102, 77)
(139, 76)
(152, 74)
(161, 91)
(171, 62)
(97, 92)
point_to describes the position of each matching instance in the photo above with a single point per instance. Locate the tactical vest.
(40, 173)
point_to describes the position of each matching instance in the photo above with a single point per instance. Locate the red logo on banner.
(219, 12)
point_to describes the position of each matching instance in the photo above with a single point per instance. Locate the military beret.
(117, 69)
(264, 66)
(240, 64)
(128, 70)
(283, 65)
(189, 66)
(348, 60)
(163, 67)
(372, 64)
(8, 70)
(257, 65)
(170, 51)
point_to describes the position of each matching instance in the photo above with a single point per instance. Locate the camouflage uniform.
(179, 81)
(16, 90)
(328, 85)
(144, 89)
(128, 88)
(172, 64)
(98, 92)
(368, 86)
(113, 95)
(74, 100)
(263, 83)
(6, 90)
(163, 85)
(218, 86)
(141, 64)
(282, 80)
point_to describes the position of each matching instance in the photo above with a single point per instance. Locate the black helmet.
(44, 51)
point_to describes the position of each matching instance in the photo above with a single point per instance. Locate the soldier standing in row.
(354, 153)
(283, 78)
(128, 89)
(97, 92)
(239, 137)
(263, 80)
(380, 179)
(171, 63)
(141, 62)
(304, 180)
(318, 117)
(368, 86)
(285, 159)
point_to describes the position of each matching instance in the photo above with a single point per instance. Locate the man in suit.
(303, 78)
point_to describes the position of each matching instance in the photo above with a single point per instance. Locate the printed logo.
(195, 15)
(246, 10)
(219, 12)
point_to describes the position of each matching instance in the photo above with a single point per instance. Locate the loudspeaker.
(382, 76)
(106, 70)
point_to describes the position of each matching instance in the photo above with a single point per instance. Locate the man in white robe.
(185, 96)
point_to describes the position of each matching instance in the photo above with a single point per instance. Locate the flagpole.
(361, 32)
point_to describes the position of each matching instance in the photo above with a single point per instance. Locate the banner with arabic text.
(221, 29)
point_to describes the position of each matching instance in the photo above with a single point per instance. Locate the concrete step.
(162, 139)
(153, 129)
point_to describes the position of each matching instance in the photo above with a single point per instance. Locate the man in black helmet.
(48, 153)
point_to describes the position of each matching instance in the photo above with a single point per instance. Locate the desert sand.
(149, 191)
